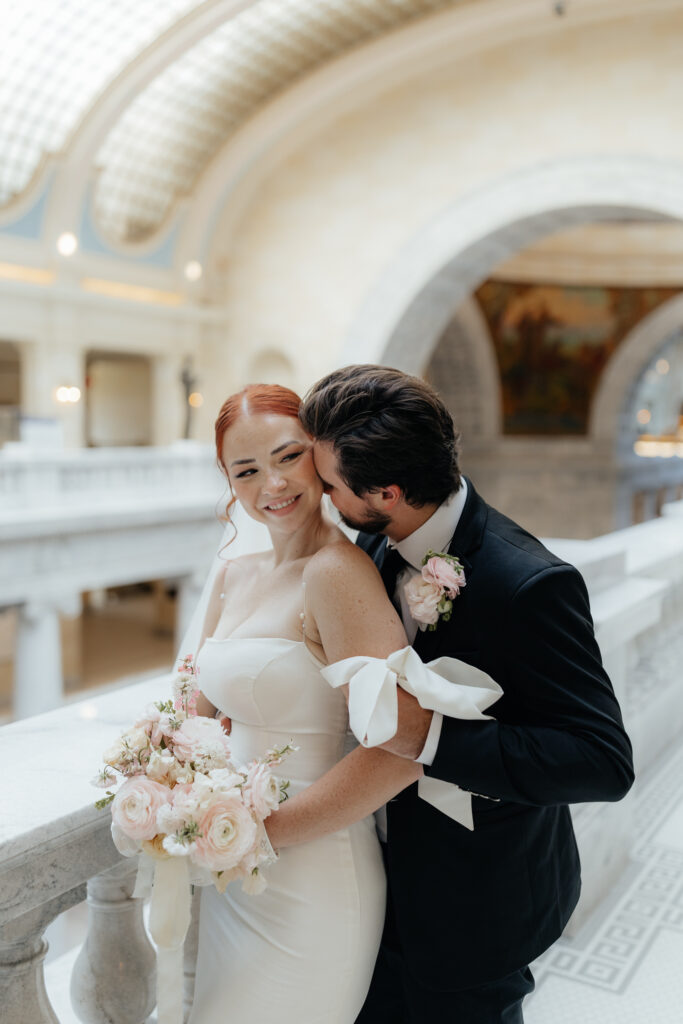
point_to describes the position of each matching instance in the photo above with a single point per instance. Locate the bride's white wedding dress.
(302, 952)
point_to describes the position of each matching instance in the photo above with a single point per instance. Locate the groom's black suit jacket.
(471, 907)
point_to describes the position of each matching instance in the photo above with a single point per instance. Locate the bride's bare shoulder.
(337, 562)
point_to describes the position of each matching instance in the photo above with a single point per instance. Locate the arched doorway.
(414, 314)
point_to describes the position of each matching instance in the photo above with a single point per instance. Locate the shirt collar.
(436, 533)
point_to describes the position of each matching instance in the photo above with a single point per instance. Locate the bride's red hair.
(255, 399)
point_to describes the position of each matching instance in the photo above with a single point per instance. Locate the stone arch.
(610, 415)
(464, 369)
(410, 306)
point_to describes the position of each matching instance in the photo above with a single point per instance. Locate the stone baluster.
(113, 979)
(22, 950)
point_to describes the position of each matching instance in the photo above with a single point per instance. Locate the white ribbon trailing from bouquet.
(452, 687)
(169, 919)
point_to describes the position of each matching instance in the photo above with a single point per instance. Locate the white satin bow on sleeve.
(452, 687)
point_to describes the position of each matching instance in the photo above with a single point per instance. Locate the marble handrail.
(53, 841)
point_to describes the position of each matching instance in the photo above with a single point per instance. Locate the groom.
(469, 910)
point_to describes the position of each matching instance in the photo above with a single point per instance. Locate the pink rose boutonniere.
(430, 596)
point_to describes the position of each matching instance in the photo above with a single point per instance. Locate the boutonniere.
(430, 595)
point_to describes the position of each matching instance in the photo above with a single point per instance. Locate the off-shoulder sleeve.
(452, 687)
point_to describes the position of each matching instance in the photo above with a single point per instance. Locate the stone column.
(37, 660)
(22, 950)
(168, 404)
(114, 976)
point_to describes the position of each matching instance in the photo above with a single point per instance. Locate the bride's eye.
(292, 455)
(244, 473)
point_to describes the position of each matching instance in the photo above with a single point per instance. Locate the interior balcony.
(56, 850)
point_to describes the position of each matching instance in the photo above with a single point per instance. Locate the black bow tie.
(392, 565)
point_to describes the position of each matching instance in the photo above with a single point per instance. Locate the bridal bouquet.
(184, 797)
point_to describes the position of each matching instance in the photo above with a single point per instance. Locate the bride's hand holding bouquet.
(184, 797)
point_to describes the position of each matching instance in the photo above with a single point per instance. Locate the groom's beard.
(373, 522)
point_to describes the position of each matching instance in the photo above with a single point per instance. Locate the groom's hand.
(413, 726)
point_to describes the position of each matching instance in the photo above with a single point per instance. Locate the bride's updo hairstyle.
(254, 400)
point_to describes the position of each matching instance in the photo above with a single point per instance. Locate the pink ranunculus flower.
(423, 598)
(198, 734)
(445, 575)
(262, 790)
(228, 832)
(134, 808)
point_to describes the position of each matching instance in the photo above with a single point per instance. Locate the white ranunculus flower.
(262, 790)
(160, 766)
(182, 773)
(176, 848)
(224, 780)
(423, 598)
(124, 844)
(168, 819)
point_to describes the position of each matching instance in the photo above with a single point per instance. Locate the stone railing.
(34, 478)
(83, 520)
(55, 847)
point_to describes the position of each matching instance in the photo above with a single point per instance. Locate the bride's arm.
(347, 603)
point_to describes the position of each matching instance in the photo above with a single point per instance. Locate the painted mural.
(553, 342)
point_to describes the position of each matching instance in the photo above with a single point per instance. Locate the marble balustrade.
(82, 520)
(34, 477)
(55, 848)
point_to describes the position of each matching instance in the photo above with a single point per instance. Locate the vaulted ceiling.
(60, 57)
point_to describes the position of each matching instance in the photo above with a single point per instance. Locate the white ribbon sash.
(452, 687)
(169, 919)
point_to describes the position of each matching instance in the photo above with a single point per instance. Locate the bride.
(304, 950)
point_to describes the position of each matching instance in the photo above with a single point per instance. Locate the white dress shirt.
(434, 535)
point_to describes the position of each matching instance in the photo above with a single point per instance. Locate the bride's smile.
(269, 462)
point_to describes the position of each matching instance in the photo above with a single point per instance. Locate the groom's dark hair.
(386, 428)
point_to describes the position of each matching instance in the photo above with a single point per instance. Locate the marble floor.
(625, 965)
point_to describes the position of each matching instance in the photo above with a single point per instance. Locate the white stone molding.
(116, 936)
(408, 309)
(353, 80)
(100, 548)
(612, 400)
